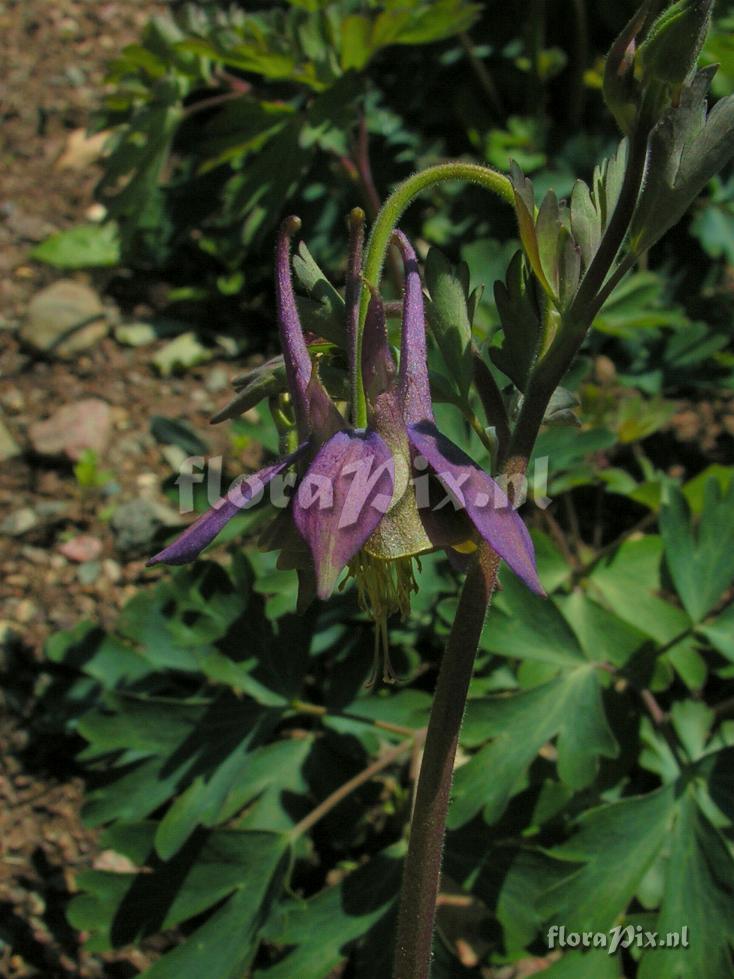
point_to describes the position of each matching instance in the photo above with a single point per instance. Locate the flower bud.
(672, 46)
(621, 87)
(652, 58)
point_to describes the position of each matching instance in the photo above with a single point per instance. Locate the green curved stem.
(386, 222)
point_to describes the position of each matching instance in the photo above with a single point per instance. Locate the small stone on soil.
(73, 429)
(63, 319)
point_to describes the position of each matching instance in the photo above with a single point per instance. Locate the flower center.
(383, 588)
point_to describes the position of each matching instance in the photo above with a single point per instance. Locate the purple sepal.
(311, 402)
(483, 501)
(324, 419)
(205, 528)
(292, 342)
(378, 366)
(341, 499)
(413, 384)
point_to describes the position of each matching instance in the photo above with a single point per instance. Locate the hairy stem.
(387, 221)
(422, 870)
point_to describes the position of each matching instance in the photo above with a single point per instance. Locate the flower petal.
(414, 387)
(205, 528)
(486, 505)
(353, 288)
(378, 366)
(311, 402)
(295, 352)
(341, 499)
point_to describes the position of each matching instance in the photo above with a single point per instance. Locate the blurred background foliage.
(595, 778)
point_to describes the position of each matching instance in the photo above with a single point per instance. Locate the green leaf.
(564, 449)
(506, 878)
(254, 386)
(524, 626)
(641, 607)
(200, 750)
(548, 231)
(617, 843)
(337, 916)
(121, 908)
(356, 42)
(522, 141)
(701, 561)
(698, 894)
(257, 197)
(179, 355)
(263, 798)
(407, 708)
(324, 314)
(604, 637)
(585, 221)
(720, 633)
(83, 247)
(639, 303)
(424, 23)
(569, 707)
(103, 657)
(174, 431)
(518, 309)
(239, 129)
(687, 148)
(713, 223)
(448, 316)
(526, 219)
(638, 561)
(140, 151)
(592, 207)
(553, 568)
(639, 417)
(226, 944)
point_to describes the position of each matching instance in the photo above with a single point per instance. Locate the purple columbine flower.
(367, 499)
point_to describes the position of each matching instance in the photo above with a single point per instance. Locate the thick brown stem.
(422, 871)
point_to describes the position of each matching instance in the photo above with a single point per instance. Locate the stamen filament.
(383, 588)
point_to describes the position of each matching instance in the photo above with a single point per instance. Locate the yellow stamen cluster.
(383, 588)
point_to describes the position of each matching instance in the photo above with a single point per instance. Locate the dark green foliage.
(208, 755)
(594, 788)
